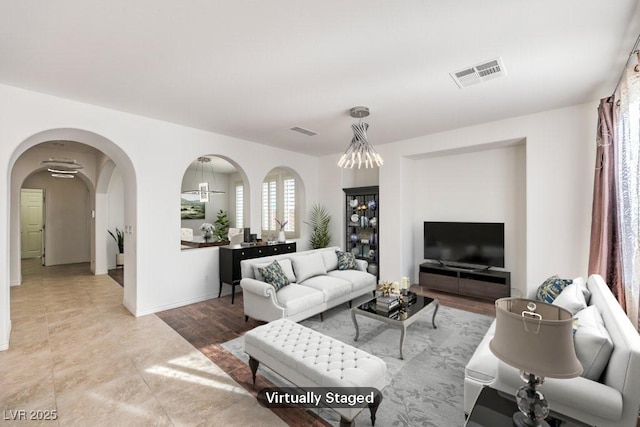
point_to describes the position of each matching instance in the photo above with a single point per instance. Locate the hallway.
(76, 354)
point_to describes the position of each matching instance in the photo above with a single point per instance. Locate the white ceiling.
(252, 69)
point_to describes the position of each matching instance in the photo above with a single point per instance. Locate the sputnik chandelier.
(360, 152)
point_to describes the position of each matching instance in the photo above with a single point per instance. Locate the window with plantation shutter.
(239, 206)
(269, 204)
(289, 212)
(279, 201)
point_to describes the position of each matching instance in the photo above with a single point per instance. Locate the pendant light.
(204, 170)
(62, 167)
(360, 151)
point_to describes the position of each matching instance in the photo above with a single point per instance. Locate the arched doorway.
(24, 161)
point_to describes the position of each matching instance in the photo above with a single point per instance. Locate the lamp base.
(521, 420)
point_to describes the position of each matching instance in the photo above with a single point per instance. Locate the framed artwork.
(191, 207)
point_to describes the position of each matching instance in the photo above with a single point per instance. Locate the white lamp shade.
(540, 344)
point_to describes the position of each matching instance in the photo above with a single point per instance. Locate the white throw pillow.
(571, 298)
(582, 284)
(307, 266)
(593, 343)
(285, 264)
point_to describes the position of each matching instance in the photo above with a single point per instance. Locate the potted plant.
(222, 226)
(281, 237)
(119, 238)
(319, 222)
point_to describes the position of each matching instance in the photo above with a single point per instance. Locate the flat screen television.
(465, 243)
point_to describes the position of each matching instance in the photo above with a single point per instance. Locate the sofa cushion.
(593, 342)
(571, 298)
(483, 365)
(346, 261)
(274, 275)
(296, 298)
(358, 279)
(551, 288)
(284, 263)
(330, 259)
(307, 266)
(331, 287)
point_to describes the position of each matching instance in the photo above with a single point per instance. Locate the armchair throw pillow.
(274, 275)
(551, 288)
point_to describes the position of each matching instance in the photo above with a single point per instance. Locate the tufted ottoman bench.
(310, 359)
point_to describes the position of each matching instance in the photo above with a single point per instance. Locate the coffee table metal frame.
(401, 324)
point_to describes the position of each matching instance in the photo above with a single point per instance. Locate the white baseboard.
(15, 283)
(132, 310)
(4, 345)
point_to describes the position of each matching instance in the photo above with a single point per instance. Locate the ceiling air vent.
(303, 131)
(479, 73)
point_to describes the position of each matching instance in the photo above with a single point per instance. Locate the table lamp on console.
(536, 338)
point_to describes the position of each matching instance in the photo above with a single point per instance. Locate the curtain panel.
(604, 253)
(627, 150)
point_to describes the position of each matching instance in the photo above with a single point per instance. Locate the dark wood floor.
(210, 323)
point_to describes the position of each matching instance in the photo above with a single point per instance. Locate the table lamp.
(536, 338)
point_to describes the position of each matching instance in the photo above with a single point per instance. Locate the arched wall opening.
(221, 173)
(66, 217)
(24, 162)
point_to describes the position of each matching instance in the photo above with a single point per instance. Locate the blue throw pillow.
(274, 275)
(346, 261)
(551, 288)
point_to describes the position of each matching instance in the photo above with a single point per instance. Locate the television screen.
(466, 243)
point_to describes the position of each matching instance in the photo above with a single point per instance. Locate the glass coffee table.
(398, 318)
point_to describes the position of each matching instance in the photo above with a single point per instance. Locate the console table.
(231, 255)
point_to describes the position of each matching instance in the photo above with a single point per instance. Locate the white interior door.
(31, 222)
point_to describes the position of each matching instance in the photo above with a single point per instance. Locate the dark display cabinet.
(362, 223)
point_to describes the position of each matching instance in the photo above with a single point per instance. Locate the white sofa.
(316, 285)
(614, 400)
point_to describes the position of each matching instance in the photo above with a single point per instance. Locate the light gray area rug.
(424, 389)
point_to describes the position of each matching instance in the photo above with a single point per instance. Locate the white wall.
(560, 150)
(480, 186)
(115, 215)
(158, 275)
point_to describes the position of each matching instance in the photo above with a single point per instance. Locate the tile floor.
(76, 350)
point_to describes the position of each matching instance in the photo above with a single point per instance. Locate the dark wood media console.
(485, 284)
